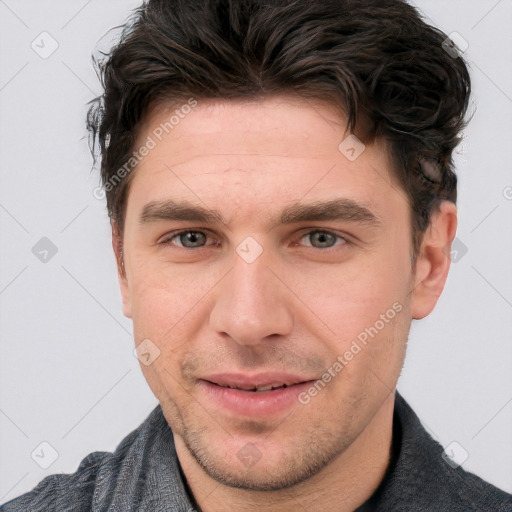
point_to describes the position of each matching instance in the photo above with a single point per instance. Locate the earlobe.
(117, 245)
(433, 261)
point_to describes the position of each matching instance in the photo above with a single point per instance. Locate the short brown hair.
(377, 60)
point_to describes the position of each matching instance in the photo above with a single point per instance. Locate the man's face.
(256, 299)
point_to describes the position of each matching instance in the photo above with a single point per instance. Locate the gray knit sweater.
(143, 474)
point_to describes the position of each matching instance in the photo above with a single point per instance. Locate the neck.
(342, 486)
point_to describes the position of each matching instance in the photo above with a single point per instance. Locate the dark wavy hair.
(389, 72)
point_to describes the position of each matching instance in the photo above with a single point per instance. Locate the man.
(280, 183)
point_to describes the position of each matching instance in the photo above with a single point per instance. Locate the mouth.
(259, 389)
(260, 395)
(252, 382)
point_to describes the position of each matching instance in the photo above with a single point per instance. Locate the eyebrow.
(346, 210)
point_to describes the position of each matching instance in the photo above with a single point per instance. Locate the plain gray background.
(68, 376)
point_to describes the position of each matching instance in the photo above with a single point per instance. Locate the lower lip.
(254, 403)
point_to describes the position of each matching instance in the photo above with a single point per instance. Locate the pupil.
(190, 238)
(322, 237)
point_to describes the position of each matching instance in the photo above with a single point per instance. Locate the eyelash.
(174, 234)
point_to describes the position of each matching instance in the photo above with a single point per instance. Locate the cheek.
(159, 313)
(351, 296)
(360, 308)
(168, 304)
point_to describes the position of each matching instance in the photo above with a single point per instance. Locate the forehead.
(262, 153)
(279, 125)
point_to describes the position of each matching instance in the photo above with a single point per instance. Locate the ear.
(117, 245)
(433, 261)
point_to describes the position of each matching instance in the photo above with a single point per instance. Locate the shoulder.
(429, 479)
(92, 481)
(62, 492)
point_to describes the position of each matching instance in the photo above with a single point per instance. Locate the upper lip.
(244, 381)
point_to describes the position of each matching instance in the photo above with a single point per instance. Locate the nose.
(252, 303)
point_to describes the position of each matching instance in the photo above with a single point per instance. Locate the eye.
(186, 239)
(323, 239)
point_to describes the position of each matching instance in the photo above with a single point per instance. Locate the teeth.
(268, 387)
(264, 388)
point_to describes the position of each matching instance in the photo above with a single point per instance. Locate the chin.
(260, 465)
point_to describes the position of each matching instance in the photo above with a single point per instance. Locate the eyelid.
(166, 239)
(309, 231)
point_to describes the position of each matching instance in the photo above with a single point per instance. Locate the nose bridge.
(251, 304)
